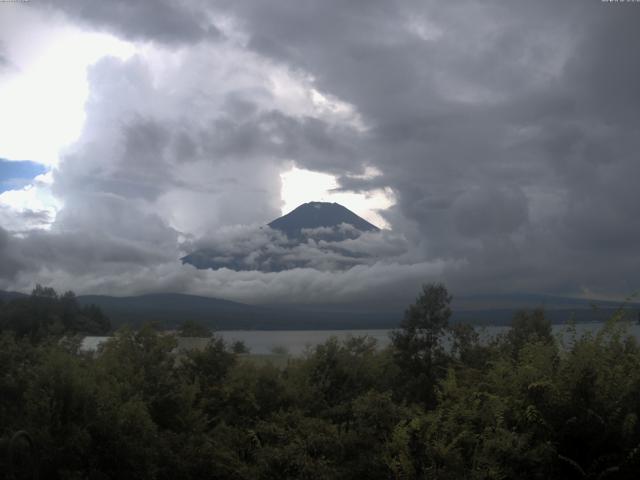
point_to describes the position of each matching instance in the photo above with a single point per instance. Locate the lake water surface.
(295, 342)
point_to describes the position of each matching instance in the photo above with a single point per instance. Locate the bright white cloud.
(301, 186)
(300, 285)
(44, 90)
(32, 206)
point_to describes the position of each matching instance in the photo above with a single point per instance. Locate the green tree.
(207, 370)
(191, 328)
(528, 327)
(239, 347)
(44, 313)
(417, 344)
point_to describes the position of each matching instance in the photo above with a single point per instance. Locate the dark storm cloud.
(323, 146)
(165, 21)
(10, 263)
(144, 161)
(70, 260)
(93, 235)
(142, 169)
(507, 131)
(111, 216)
(490, 212)
(4, 59)
(142, 145)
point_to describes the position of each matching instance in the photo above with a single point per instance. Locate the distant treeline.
(522, 407)
(170, 310)
(44, 313)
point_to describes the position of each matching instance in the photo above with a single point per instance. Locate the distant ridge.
(169, 310)
(7, 296)
(532, 300)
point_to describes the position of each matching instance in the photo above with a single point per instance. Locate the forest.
(436, 404)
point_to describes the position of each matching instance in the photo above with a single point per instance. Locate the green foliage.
(528, 327)
(521, 406)
(418, 347)
(239, 347)
(190, 328)
(44, 313)
(279, 350)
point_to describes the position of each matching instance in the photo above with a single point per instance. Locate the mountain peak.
(312, 232)
(313, 215)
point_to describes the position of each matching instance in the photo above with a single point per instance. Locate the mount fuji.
(311, 236)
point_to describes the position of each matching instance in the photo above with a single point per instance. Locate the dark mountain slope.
(7, 296)
(171, 309)
(315, 215)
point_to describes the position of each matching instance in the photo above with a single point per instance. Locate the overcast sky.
(498, 139)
